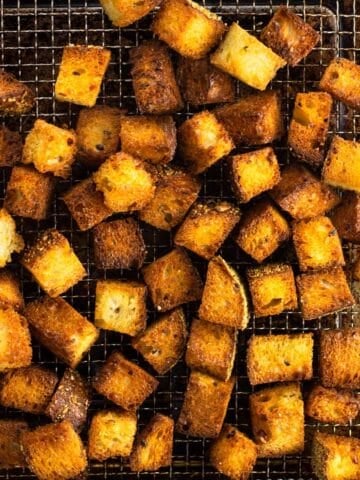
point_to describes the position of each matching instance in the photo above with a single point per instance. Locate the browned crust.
(14, 354)
(16, 98)
(329, 405)
(346, 217)
(11, 454)
(10, 292)
(346, 89)
(10, 147)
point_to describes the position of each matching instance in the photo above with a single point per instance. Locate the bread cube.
(53, 263)
(231, 307)
(61, 329)
(54, 451)
(187, 27)
(277, 418)
(329, 405)
(172, 280)
(11, 454)
(15, 342)
(175, 192)
(324, 292)
(123, 382)
(280, 358)
(153, 446)
(111, 434)
(342, 80)
(346, 217)
(120, 306)
(10, 147)
(10, 293)
(16, 98)
(10, 240)
(163, 342)
(202, 141)
(244, 57)
(123, 13)
(206, 227)
(81, 72)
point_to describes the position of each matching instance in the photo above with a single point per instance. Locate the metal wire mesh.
(32, 36)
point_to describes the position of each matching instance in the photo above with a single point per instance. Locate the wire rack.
(32, 36)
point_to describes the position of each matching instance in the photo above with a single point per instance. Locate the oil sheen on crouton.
(346, 217)
(342, 80)
(15, 343)
(10, 147)
(10, 240)
(10, 293)
(329, 405)
(125, 12)
(11, 454)
(16, 98)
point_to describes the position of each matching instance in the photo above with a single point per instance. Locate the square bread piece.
(53, 263)
(205, 404)
(10, 240)
(123, 13)
(82, 70)
(280, 358)
(346, 217)
(10, 292)
(16, 98)
(120, 306)
(11, 454)
(342, 80)
(277, 419)
(15, 340)
(10, 147)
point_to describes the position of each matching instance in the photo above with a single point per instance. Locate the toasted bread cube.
(172, 280)
(280, 358)
(11, 454)
(54, 451)
(10, 147)
(10, 240)
(123, 13)
(151, 138)
(206, 227)
(10, 293)
(120, 306)
(244, 57)
(329, 405)
(61, 329)
(324, 292)
(163, 342)
(154, 445)
(342, 80)
(211, 348)
(262, 230)
(15, 341)
(335, 457)
(123, 382)
(175, 192)
(153, 78)
(53, 263)
(80, 75)
(302, 195)
(231, 307)
(187, 27)
(277, 418)
(346, 217)
(205, 404)
(16, 98)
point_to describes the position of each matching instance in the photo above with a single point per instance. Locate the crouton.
(29, 193)
(187, 27)
(302, 195)
(329, 405)
(309, 126)
(244, 57)
(111, 434)
(201, 83)
(277, 418)
(16, 98)
(262, 230)
(123, 382)
(153, 79)
(120, 306)
(323, 292)
(231, 307)
(206, 227)
(81, 72)
(346, 217)
(11, 454)
(163, 342)
(172, 280)
(175, 192)
(54, 451)
(10, 147)
(254, 119)
(342, 80)
(279, 358)
(53, 263)
(153, 446)
(335, 457)
(15, 342)
(151, 138)
(10, 240)
(289, 36)
(205, 404)
(10, 293)
(61, 329)
(123, 13)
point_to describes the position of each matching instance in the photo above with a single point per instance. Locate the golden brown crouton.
(123, 382)
(15, 341)
(231, 307)
(233, 454)
(10, 293)
(323, 292)
(54, 451)
(16, 97)
(172, 280)
(11, 454)
(53, 263)
(125, 12)
(280, 358)
(244, 57)
(153, 446)
(187, 27)
(277, 418)
(346, 217)
(205, 404)
(120, 306)
(10, 240)
(10, 147)
(81, 72)
(61, 329)
(342, 80)
(163, 342)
